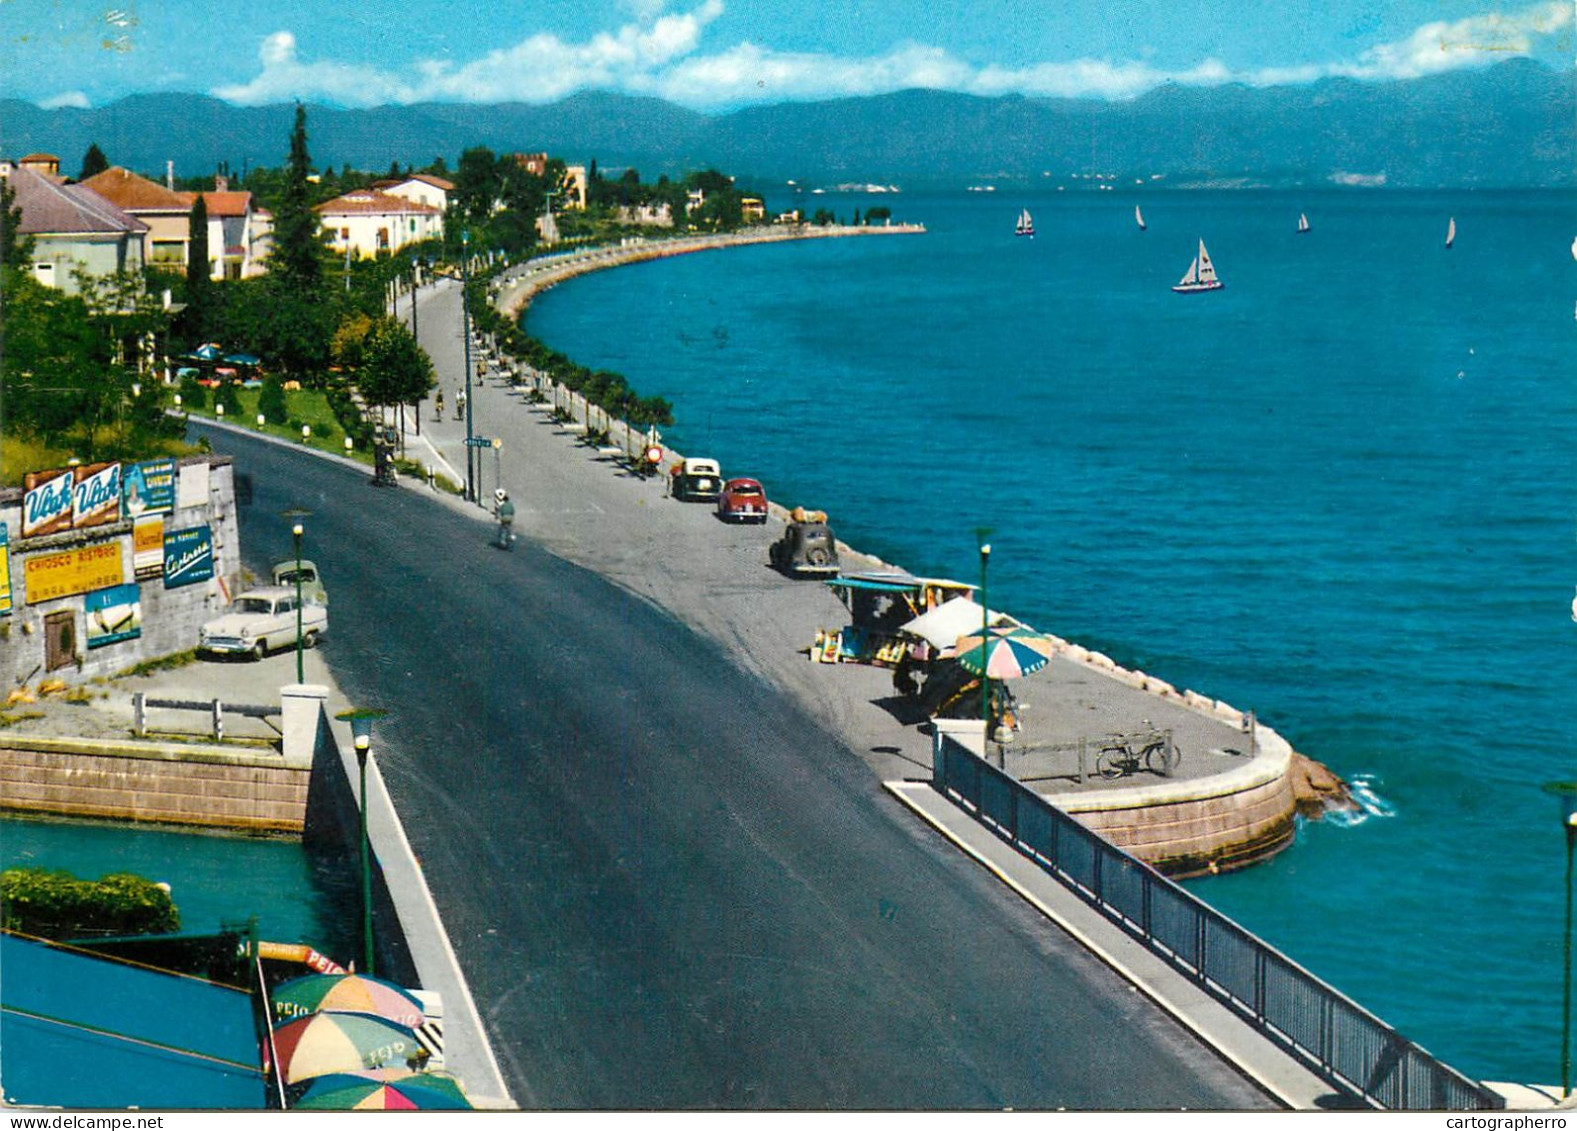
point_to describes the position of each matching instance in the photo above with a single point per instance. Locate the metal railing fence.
(1346, 1044)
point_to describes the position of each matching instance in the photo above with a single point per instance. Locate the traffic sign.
(478, 442)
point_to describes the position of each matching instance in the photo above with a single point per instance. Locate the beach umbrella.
(209, 351)
(242, 359)
(344, 993)
(341, 1042)
(1004, 652)
(382, 1091)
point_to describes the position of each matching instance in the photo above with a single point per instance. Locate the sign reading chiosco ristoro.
(188, 556)
(73, 499)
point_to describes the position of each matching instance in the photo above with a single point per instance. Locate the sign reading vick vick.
(72, 499)
(188, 556)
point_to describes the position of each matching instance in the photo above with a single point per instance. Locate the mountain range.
(1510, 125)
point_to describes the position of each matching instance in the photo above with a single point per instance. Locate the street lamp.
(361, 721)
(465, 334)
(296, 530)
(1566, 792)
(985, 644)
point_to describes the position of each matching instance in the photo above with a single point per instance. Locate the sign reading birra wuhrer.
(72, 499)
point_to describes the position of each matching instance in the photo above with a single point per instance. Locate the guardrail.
(213, 708)
(1346, 1044)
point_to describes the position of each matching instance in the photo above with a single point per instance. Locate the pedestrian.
(459, 405)
(440, 405)
(504, 511)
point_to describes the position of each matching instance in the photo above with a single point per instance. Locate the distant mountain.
(1508, 125)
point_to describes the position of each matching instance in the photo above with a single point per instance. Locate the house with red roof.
(423, 188)
(236, 244)
(74, 228)
(366, 222)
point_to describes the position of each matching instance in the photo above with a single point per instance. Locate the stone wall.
(161, 783)
(170, 617)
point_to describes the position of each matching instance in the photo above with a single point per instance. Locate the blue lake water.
(1338, 492)
(214, 880)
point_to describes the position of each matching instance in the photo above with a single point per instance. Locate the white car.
(260, 620)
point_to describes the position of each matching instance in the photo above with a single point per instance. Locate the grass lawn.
(308, 407)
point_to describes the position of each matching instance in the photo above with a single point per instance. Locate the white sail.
(1451, 232)
(1207, 269)
(1139, 219)
(1192, 278)
(1303, 222)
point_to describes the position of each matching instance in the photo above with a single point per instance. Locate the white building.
(366, 223)
(424, 188)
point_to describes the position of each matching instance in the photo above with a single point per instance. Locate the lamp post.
(296, 530)
(985, 649)
(1566, 792)
(465, 334)
(361, 721)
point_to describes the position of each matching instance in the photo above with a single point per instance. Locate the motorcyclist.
(504, 511)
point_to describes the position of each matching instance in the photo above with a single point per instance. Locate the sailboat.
(1201, 275)
(1303, 224)
(1451, 232)
(1026, 225)
(1138, 218)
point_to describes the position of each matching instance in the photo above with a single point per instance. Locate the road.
(667, 885)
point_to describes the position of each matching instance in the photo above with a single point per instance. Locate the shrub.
(271, 401)
(58, 905)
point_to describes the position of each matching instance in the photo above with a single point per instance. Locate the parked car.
(807, 549)
(698, 481)
(263, 619)
(742, 500)
(312, 591)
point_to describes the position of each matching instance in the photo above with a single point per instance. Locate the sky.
(718, 55)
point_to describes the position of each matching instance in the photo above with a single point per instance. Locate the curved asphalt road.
(667, 886)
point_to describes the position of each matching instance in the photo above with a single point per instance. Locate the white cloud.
(659, 53)
(74, 99)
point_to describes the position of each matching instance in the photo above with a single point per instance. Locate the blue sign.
(188, 556)
(149, 487)
(478, 442)
(113, 614)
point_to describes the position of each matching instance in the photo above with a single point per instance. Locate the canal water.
(215, 880)
(1337, 492)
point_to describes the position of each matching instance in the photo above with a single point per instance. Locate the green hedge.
(58, 905)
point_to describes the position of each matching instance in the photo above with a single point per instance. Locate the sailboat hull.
(1195, 288)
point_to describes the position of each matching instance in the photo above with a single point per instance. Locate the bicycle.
(1150, 749)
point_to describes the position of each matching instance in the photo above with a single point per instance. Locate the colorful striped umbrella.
(344, 993)
(341, 1042)
(380, 1091)
(1004, 652)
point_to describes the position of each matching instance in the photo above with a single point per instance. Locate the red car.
(742, 500)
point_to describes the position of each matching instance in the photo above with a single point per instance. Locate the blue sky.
(721, 54)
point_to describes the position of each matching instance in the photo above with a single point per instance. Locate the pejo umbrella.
(380, 1091)
(345, 993)
(341, 1042)
(1004, 652)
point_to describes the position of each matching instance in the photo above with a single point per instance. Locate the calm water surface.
(1338, 492)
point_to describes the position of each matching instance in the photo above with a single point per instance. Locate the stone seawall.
(157, 783)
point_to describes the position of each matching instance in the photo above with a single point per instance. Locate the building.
(655, 215)
(166, 213)
(534, 163)
(74, 228)
(573, 190)
(752, 209)
(238, 234)
(368, 223)
(424, 188)
(44, 164)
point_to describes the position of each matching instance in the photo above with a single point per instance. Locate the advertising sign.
(47, 506)
(97, 495)
(192, 487)
(113, 614)
(147, 547)
(46, 577)
(5, 572)
(150, 487)
(188, 556)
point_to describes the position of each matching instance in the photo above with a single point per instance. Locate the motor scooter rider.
(504, 512)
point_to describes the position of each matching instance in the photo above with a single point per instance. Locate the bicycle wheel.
(1162, 758)
(1111, 762)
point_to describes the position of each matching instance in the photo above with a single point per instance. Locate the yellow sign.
(46, 577)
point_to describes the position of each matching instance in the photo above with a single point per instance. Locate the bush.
(271, 401)
(58, 905)
(193, 395)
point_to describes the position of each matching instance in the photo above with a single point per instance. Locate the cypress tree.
(199, 282)
(93, 162)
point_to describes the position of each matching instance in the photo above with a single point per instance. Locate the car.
(283, 576)
(263, 619)
(698, 481)
(742, 500)
(807, 548)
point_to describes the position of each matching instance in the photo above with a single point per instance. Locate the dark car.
(698, 481)
(807, 549)
(742, 500)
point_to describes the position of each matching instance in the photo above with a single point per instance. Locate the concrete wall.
(170, 617)
(163, 783)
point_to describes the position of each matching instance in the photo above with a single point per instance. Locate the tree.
(93, 162)
(297, 259)
(395, 370)
(16, 249)
(198, 318)
(294, 325)
(271, 401)
(477, 184)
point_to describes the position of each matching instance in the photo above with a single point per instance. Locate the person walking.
(504, 512)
